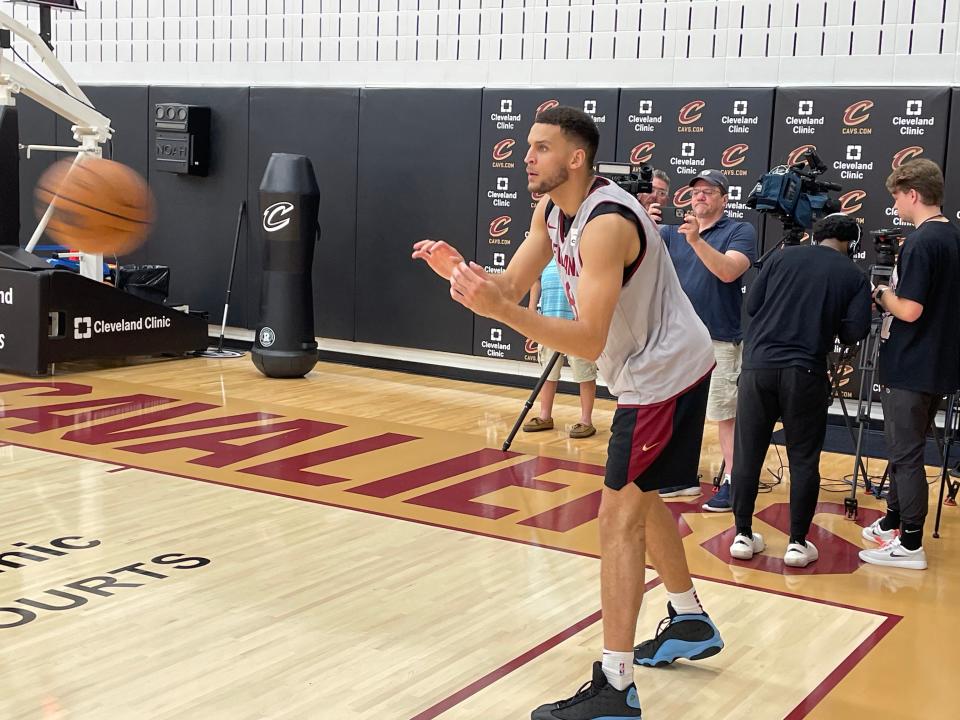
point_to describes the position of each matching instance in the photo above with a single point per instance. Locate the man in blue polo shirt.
(711, 252)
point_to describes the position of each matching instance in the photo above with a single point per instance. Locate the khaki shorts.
(722, 402)
(583, 370)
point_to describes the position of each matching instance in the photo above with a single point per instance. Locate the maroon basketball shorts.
(657, 446)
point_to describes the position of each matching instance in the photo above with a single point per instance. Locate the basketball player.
(632, 317)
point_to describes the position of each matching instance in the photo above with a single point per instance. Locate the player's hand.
(472, 287)
(690, 228)
(439, 255)
(655, 214)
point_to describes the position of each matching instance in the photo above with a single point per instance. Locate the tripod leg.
(530, 400)
(949, 421)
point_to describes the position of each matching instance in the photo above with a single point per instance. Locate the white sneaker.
(874, 533)
(893, 554)
(672, 492)
(745, 548)
(799, 556)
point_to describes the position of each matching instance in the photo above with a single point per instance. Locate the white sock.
(726, 479)
(618, 667)
(685, 603)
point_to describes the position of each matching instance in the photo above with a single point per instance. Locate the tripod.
(530, 400)
(951, 426)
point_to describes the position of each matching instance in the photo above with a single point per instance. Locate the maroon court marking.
(840, 671)
(518, 662)
(119, 469)
(805, 706)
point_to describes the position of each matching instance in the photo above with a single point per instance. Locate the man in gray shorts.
(711, 252)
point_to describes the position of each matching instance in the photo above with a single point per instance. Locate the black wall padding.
(320, 123)
(38, 126)
(418, 168)
(951, 199)
(126, 106)
(9, 177)
(197, 216)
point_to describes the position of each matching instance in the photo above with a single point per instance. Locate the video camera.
(622, 174)
(886, 245)
(795, 195)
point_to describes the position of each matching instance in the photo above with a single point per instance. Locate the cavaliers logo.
(734, 155)
(858, 113)
(549, 104)
(536, 197)
(691, 112)
(851, 202)
(905, 155)
(642, 153)
(531, 347)
(794, 157)
(682, 197)
(503, 149)
(500, 226)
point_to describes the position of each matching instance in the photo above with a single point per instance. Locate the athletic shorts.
(657, 446)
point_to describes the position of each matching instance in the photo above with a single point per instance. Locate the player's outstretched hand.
(439, 255)
(472, 287)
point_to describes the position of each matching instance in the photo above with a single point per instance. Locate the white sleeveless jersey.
(657, 346)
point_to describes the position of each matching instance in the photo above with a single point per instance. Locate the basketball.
(100, 206)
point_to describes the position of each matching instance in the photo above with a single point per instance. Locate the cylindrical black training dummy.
(289, 200)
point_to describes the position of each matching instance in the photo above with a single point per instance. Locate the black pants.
(906, 417)
(800, 397)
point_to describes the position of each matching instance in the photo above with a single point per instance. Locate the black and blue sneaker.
(693, 637)
(596, 700)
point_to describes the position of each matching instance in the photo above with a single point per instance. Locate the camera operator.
(804, 296)
(653, 200)
(710, 253)
(919, 357)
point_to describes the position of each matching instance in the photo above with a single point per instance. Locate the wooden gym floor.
(208, 543)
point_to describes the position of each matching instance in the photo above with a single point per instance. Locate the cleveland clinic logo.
(82, 328)
(858, 113)
(797, 153)
(691, 112)
(734, 155)
(500, 226)
(851, 202)
(275, 217)
(906, 155)
(642, 153)
(503, 149)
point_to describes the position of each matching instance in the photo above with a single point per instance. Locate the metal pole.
(530, 400)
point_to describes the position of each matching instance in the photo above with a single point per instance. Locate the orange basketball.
(100, 206)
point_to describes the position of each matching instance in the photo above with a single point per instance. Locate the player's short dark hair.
(838, 227)
(576, 125)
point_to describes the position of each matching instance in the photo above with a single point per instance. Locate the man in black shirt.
(919, 357)
(803, 298)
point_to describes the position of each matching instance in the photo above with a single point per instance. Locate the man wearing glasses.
(711, 252)
(652, 201)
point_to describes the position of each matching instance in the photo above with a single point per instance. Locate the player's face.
(549, 158)
(707, 200)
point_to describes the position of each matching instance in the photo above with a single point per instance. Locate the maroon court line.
(119, 469)
(842, 670)
(806, 705)
(501, 672)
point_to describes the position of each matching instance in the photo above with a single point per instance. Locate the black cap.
(714, 177)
